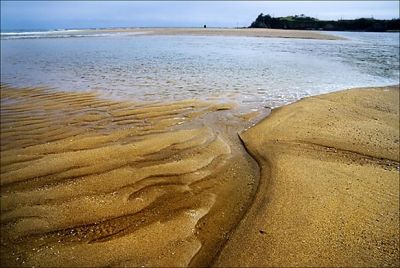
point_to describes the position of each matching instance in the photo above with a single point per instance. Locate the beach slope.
(329, 191)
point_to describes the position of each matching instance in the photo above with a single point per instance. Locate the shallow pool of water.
(249, 70)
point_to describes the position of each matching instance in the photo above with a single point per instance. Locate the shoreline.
(247, 32)
(81, 174)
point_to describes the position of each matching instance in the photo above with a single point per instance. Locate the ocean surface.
(250, 70)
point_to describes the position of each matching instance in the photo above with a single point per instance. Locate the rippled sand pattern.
(92, 182)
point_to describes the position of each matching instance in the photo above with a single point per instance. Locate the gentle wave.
(62, 34)
(37, 32)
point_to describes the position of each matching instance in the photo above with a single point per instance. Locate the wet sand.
(253, 32)
(93, 182)
(329, 191)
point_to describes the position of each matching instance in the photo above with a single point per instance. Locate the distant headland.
(302, 22)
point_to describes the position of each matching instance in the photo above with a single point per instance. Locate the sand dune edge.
(329, 191)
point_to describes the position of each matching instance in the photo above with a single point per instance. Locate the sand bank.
(91, 182)
(253, 32)
(329, 192)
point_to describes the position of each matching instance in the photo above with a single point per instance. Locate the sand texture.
(90, 182)
(329, 191)
(253, 32)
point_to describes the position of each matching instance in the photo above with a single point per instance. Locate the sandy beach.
(249, 32)
(92, 182)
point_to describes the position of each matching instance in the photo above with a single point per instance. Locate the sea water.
(248, 70)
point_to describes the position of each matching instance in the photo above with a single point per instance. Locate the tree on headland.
(303, 22)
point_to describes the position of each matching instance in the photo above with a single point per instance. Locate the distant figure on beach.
(205, 26)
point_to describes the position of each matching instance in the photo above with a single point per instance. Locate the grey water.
(249, 70)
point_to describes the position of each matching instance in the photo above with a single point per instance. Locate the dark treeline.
(302, 22)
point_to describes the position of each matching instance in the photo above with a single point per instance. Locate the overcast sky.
(81, 14)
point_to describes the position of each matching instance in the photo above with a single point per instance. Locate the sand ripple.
(86, 181)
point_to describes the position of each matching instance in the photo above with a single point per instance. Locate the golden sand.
(93, 182)
(329, 192)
